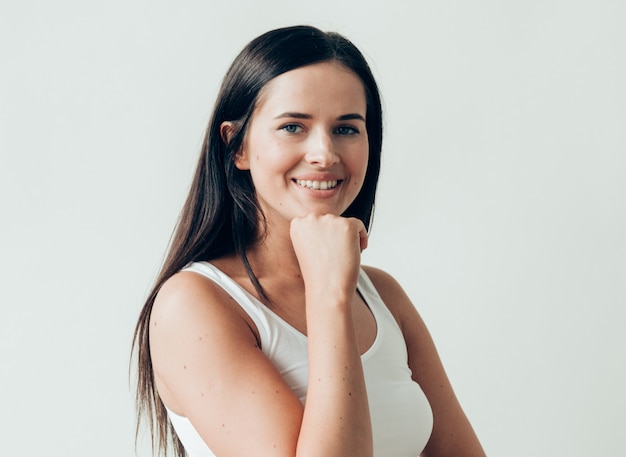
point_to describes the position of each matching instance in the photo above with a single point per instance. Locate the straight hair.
(221, 214)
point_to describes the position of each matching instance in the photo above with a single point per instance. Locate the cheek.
(358, 169)
(362, 158)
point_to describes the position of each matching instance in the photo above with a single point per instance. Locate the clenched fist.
(329, 248)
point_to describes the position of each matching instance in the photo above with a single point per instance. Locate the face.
(306, 147)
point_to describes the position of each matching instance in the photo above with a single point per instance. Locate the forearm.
(336, 419)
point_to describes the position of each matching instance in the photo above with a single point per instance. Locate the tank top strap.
(251, 306)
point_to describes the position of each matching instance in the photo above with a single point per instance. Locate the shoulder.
(382, 280)
(188, 294)
(190, 303)
(393, 295)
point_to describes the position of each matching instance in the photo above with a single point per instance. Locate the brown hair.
(221, 214)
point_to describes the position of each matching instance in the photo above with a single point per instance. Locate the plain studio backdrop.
(502, 203)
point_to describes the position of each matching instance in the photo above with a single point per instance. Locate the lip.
(318, 177)
(321, 178)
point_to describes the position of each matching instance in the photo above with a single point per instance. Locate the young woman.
(264, 335)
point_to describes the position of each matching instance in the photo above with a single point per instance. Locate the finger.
(363, 238)
(362, 231)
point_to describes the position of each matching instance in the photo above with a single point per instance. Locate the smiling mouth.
(317, 185)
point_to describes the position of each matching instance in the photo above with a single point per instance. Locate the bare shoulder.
(190, 300)
(394, 297)
(186, 288)
(379, 277)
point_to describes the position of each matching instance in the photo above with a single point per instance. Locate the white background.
(502, 204)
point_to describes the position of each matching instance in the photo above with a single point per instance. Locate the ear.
(227, 130)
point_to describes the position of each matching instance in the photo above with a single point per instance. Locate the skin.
(308, 125)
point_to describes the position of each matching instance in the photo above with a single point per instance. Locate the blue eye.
(292, 128)
(347, 130)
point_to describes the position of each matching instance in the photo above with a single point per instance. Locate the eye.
(347, 130)
(292, 128)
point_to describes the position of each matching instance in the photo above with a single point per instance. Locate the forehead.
(325, 86)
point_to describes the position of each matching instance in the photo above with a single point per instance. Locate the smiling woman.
(306, 147)
(264, 334)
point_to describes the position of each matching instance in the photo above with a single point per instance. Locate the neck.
(274, 253)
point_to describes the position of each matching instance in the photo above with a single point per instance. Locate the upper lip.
(318, 177)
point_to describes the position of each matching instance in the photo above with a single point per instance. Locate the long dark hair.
(221, 214)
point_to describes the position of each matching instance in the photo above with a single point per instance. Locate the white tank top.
(400, 413)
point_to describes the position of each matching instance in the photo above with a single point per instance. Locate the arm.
(208, 366)
(337, 414)
(452, 434)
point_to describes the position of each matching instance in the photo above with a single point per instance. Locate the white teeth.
(317, 185)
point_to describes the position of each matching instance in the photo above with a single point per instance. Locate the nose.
(321, 150)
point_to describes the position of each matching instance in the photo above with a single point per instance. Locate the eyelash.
(287, 128)
(352, 130)
(293, 129)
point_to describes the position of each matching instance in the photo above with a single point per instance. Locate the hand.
(328, 248)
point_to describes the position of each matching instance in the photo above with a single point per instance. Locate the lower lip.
(319, 193)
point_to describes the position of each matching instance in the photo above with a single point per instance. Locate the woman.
(263, 334)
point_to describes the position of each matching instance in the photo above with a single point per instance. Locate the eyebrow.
(343, 117)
